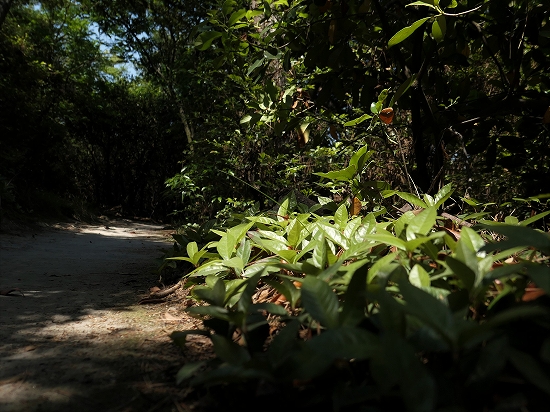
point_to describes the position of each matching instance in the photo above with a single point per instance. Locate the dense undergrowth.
(334, 306)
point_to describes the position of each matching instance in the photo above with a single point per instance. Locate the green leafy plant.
(372, 310)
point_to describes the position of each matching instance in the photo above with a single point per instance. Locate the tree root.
(156, 297)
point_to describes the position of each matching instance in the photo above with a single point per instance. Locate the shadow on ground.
(77, 340)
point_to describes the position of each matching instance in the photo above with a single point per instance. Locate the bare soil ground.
(73, 337)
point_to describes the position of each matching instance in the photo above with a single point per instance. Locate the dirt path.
(77, 340)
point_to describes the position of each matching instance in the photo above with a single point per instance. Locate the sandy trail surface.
(73, 337)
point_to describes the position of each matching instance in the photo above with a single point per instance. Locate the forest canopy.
(195, 108)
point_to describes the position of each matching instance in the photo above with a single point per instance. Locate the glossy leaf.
(236, 16)
(406, 32)
(412, 199)
(357, 121)
(439, 28)
(444, 193)
(341, 216)
(419, 277)
(518, 236)
(226, 245)
(422, 223)
(341, 175)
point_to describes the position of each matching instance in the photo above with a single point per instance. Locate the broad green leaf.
(335, 236)
(343, 175)
(205, 39)
(352, 226)
(439, 28)
(422, 223)
(419, 277)
(462, 271)
(388, 240)
(357, 121)
(406, 32)
(214, 311)
(412, 199)
(239, 231)
(320, 301)
(269, 307)
(518, 236)
(413, 244)
(353, 308)
(430, 310)
(319, 255)
(308, 247)
(255, 65)
(250, 14)
(379, 265)
(327, 274)
(283, 211)
(444, 193)
(534, 218)
(287, 289)
(226, 245)
(346, 343)
(228, 6)
(471, 241)
(234, 288)
(192, 248)
(341, 216)
(244, 250)
(401, 223)
(357, 159)
(229, 351)
(246, 298)
(511, 220)
(218, 293)
(540, 274)
(262, 219)
(270, 245)
(236, 16)
(289, 255)
(209, 268)
(293, 230)
(273, 236)
(428, 199)
(188, 370)
(236, 263)
(245, 119)
(400, 91)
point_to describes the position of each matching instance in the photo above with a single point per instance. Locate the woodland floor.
(73, 336)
